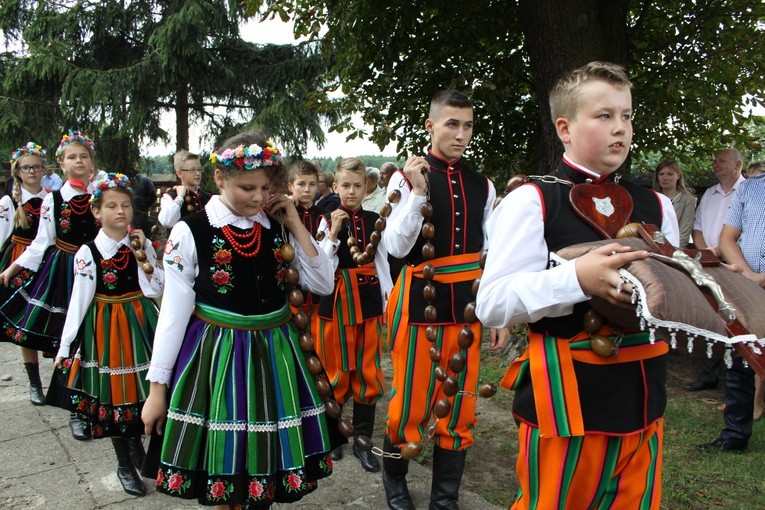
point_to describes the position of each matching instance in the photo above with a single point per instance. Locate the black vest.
(73, 228)
(33, 220)
(458, 195)
(198, 200)
(254, 287)
(126, 278)
(362, 224)
(620, 398)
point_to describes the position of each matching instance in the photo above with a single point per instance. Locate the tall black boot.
(394, 479)
(80, 430)
(137, 452)
(364, 425)
(36, 394)
(448, 466)
(128, 476)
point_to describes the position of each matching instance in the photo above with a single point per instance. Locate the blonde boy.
(597, 441)
(351, 319)
(185, 198)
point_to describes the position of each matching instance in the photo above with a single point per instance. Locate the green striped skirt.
(245, 423)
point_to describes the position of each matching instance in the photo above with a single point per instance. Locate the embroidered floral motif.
(44, 213)
(326, 464)
(221, 268)
(172, 482)
(20, 279)
(64, 221)
(15, 334)
(109, 274)
(4, 213)
(160, 478)
(83, 269)
(293, 482)
(281, 265)
(219, 489)
(176, 260)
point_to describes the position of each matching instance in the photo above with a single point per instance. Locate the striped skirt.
(245, 423)
(106, 384)
(34, 315)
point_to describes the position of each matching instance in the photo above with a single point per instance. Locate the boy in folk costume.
(462, 200)
(185, 198)
(597, 440)
(350, 321)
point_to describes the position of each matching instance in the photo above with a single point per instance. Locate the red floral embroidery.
(107, 263)
(66, 213)
(222, 257)
(101, 413)
(175, 481)
(64, 224)
(294, 481)
(221, 277)
(160, 478)
(256, 489)
(217, 490)
(110, 277)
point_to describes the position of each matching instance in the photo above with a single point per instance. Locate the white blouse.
(7, 211)
(316, 275)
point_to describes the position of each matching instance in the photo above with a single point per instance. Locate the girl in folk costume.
(33, 316)
(17, 229)
(244, 424)
(111, 321)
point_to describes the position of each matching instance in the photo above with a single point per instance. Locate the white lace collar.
(107, 246)
(220, 216)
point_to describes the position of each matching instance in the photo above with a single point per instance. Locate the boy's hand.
(415, 170)
(337, 218)
(180, 190)
(598, 272)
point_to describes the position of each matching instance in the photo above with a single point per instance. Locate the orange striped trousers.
(593, 471)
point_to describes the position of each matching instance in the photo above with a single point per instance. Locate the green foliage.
(112, 68)
(691, 64)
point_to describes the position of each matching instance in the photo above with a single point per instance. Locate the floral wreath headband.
(72, 137)
(112, 181)
(30, 149)
(248, 158)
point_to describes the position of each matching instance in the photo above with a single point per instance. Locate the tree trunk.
(182, 117)
(561, 35)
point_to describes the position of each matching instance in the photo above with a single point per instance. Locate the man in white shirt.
(374, 196)
(707, 225)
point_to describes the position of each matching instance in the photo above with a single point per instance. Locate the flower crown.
(248, 158)
(30, 149)
(112, 181)
(75, 136)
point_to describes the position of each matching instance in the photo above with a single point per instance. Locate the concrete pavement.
(42, 466)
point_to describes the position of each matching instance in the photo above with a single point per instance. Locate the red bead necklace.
(247, 244)
(121, 258)
(80, 204)
(34, 211)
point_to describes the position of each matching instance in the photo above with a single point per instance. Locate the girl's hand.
(154, 412)
(7, 275)
(282, 207)
(137, 233)
(337, 218)
(59, 362)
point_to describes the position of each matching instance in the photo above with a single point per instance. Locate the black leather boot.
(364, 425)
(448, 466)
(80, 430)
(394, 479)
(126, 473)
(36, 394)
(137, 452)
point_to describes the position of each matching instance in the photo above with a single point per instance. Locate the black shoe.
(337, 453)
(80, 431)
(36, 393)
(721, 445)
(699, 385)
(126, 473)
(368, 460)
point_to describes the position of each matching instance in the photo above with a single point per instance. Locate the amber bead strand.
(140, 255)
(189, 202)
(292, 277)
